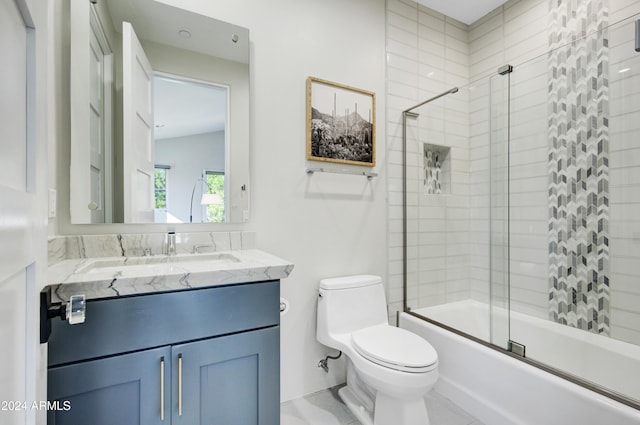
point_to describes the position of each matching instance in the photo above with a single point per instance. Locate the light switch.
(52, 203)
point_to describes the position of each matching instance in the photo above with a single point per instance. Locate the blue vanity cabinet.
(202, 356)
(123, 389)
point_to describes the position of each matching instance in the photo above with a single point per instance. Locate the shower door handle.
(637, 38)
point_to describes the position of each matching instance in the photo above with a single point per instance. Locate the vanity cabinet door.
(229, 380)
(129, 389)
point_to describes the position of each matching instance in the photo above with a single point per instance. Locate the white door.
(90, 87)
(21, 252)
(137, 126)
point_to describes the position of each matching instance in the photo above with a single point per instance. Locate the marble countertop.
(107, 277)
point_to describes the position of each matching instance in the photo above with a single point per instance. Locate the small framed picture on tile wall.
(340, 123)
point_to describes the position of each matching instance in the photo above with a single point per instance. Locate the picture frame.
(340, 123)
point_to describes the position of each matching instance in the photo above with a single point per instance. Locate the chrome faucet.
(170, 244)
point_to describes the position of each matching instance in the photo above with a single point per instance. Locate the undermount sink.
(155, 262)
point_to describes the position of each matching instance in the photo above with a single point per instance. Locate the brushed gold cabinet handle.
(179, 384)
(162, 388)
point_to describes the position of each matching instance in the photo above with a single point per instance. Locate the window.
(214, 208)
(160, 186)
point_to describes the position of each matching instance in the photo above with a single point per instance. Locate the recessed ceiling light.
(624, 70)
(184, 34)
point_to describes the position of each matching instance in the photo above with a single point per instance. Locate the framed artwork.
(340, 123)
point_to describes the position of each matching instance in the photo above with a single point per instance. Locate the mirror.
(159, 115)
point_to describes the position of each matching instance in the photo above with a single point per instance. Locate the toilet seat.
(395, 348)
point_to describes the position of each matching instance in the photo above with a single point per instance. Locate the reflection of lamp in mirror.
(211, 199)
(206, 199)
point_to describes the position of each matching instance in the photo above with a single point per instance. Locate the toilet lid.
(395, 348)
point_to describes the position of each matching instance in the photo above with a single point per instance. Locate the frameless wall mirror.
(159, 115)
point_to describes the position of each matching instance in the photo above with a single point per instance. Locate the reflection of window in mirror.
(162, 195)
(160, 186)
(213, 201)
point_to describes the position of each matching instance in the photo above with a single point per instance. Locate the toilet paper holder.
(284, 306)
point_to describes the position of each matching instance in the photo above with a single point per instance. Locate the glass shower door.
(456, 209)
(498, 100)
(446, 209)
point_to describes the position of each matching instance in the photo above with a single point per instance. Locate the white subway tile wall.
(427, 54)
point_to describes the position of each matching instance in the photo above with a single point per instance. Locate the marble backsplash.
(136, 245)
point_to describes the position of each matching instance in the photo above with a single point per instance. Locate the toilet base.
(388, 410)
(355, 406)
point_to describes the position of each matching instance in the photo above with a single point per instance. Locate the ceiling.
(164, 24)
(467, 11)
(183, 108)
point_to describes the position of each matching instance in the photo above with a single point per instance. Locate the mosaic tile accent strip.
(433, 169)
(579, 165)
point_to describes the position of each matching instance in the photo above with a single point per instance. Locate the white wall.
(326, 224)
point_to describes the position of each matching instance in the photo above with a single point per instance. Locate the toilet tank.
(346, 304)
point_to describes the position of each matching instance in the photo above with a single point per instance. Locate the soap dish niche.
(436, 169)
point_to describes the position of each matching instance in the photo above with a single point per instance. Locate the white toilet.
(389, 369)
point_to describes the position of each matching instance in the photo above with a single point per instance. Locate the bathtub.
(501, 390)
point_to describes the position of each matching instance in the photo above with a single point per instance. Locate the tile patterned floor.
(326, 408)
